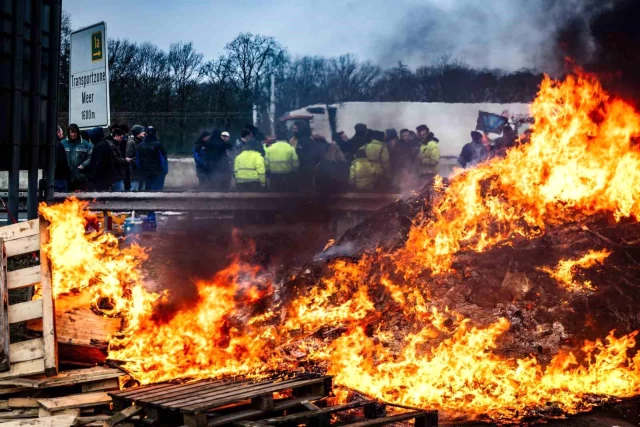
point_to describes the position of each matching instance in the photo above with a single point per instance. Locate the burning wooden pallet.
(224, 402)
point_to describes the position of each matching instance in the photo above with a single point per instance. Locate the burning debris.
(477, 304)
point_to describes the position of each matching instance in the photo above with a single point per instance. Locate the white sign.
(89, 77)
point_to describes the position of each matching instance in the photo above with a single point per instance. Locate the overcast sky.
(508, 34)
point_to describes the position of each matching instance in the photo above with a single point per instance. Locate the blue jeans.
(60, 186)
(137, 185)
(155, 183)
(118, 185)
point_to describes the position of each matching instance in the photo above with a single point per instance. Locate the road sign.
(89, 77)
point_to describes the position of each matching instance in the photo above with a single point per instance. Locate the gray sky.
(508, 34)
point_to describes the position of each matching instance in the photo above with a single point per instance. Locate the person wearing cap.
(473, 152)
(151, 160)
(359, 138)
(429, 153)
(78, 156)
(102, 169)
(136, 138)
(281, 162)
(214, 162)
(225, 136)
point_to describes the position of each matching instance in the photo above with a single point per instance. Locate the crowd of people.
(125, 160)
(292, 160)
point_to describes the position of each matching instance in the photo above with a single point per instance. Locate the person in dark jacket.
(215, 156)
(202, 168)
(359, 139)
(78, 156)
(152, 161)
(403, 155)
(121, 163)
(62, 173)
(342, 140)
(102, 167)
(309, 152)
(473, 152)
(137, 136)
(507, 140)
(332, 173)
(123, 150)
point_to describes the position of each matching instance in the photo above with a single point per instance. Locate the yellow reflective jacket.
(429, 157)
(378, 155)
(281, 158)
(363, 174)
(249, 167)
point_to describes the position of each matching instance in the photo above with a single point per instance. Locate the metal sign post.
(89, 77)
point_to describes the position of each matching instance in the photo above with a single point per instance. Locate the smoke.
(503, 34)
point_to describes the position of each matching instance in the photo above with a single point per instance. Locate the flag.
(489, 122)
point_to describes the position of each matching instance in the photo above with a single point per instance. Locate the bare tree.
(350, 79)
(252, 58)
(65, 58)
(185, 65)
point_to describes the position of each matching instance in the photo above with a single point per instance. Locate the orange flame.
(564, 271)
(373, 323)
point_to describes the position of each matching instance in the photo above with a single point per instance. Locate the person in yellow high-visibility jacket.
(363, 176)
(281, 163)
(428, 158)
(249, 170)
(378, 154)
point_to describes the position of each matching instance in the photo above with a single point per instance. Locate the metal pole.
(16, 111)
(52, 95)
(272, 107)
(34, 116)
(255, 115)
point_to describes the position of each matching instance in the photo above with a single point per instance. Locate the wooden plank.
(85, 421)
(48, 308)
(27, 350)
(78, 376)
(102, 385)
(19, 413)
(123, 415)
(148, 392)
(22, 402)
(19, 230)
(277, 406)
(62, 421)
(22, 246)
(24, 311)
(185, 394)
(20, 369)
(84, 400)
(44, 413)
(4, 391)
(204, 402)
(183, 390)
(5, 348)
(388, 420)
(301, 416)
(23, 278)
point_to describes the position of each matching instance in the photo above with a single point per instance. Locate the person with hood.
(473, 152)
(249, 169)
(332, 173)
(79, 157)
(121, 163)
(359, 139)
(102, 167)
(281, 162)
(429, 154)
(378, 155)
(309, 152)
(151, 159)
(137, 136)
(62, 173)
(199, 156)
(362, 174)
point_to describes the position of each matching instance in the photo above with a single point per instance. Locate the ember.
(387, 324)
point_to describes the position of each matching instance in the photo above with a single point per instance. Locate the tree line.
(176, 85)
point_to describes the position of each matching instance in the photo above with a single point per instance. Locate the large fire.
(407, 349)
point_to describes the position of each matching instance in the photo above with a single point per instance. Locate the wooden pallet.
(201, 403)
(39, 355)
